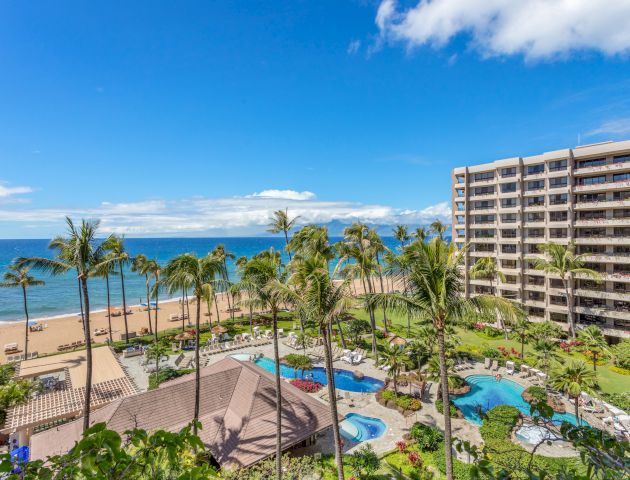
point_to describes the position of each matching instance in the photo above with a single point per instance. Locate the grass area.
(609, 380)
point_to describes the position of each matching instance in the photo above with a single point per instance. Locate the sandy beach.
(67, 329)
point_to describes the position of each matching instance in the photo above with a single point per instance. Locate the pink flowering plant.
(307, 386)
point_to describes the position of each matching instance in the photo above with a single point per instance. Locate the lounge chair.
(487, 363)
(357, 359)
(509, 367)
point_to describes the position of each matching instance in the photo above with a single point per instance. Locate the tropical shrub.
(536, 393)
(621, 354)
(427, 437)
(491, 352)
(406, 402)
(414, 459)
(619, 400)
(165, 374)
(461, 471)
(401, 445)
(355, 328)
(297, 361)
(439, 405)
(364, 462)
(293, 468)
(307, 386)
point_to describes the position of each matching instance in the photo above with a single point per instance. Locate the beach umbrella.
(184, 336)
(219, 329)
(398, 341)
(32, 323)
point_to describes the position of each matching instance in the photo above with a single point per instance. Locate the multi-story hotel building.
(506, 208)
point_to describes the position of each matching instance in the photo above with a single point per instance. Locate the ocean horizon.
(59, 296)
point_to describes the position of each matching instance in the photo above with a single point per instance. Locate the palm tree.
(485, 268)
(420, 234)
(222, 256)
(573, 378)
(76, 252)
(116, 246)
(312, 290)
(208, 297)
(156, 351)
(546, 351)
(280, 222)
(156, 270)
(593, 340)
(521, 327)
(140, 265)
(187, 269)
(562, 261)
(265, 274)
(104, 269)
(377, 247)
(438, 228)
(401, 234)
(435, 294)
(19, 277)
(394, 357)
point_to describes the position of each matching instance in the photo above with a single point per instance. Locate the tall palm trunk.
(343, 340)
(522, 347)
(286, 240)
(594, 359)
(26, 329)
(156, 312)
(88, 354)
(569, 307)
(81, 302)
(332, 396)
(372, 323)
(197, 369)
(576, 405)
(251, 320)
(187, 308)
(148, 304)
(276, 358)
(448, 441)
(122, 286)
(183, 312)
(380, 276)
(227, 291)
(216, 307)
(109, 308)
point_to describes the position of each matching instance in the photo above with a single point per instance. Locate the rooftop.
(237, 412)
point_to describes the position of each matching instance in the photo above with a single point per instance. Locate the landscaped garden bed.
(405, 404)
(538, 394)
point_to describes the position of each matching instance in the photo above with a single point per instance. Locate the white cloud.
(619, 126)
(353, 47)
(229, 215)
(537, 29)
(284, 194)
(6, 192)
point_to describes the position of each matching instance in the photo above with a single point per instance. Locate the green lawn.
(609, 381)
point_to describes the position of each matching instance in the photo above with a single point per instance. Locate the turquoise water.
(60, 294)
(486, 393)
(344, 380)
(357, 428)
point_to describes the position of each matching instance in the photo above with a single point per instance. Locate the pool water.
(344, 379)
(243, 357)
(357, 428)
(486, 393)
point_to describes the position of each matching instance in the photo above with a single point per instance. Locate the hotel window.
(483, 205)
(460, 193)
(623, 250)
(592, 180)
(557, 165)
(591, 197)
(508, 172)
(479, 177)
(556, 283)
(591, 249)
(558, 182)
(508, 187)
(534, 169)
(621, 213)
(460, 206)
(508, 248)
(510, 279)
(510, 264)
(558, 216)
(460, 218)
(622, 232)
(617, 196)
(558, 233)
(459, 178)
(621, 159)
(595, 162)
(536, 217)
(508, 202)
(621, 177)
(558, 199)
(460, 233)
(509, 233)
(484, 219)
(535, 201)
(592, 215)
(535, 185)
(535, 232)
(484, 190)
(508, 218)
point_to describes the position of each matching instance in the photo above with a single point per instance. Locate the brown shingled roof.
(237, 413)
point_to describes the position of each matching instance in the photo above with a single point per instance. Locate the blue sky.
(193, 118)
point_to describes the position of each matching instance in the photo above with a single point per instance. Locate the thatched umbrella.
(182, 337)
(398, 341)
(218, 329)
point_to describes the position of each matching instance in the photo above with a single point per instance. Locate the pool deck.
(397, 425)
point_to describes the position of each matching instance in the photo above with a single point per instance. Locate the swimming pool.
(344, 379)
(357, 428)
(486, 393)
(243, 357)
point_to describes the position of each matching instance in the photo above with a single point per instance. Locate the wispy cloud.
(247, 214)
(536, 29)
(10, 194)
(616, 127)
(353, 47)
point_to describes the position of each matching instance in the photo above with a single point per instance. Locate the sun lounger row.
(229, 346)
(175, 317)
(20, 357)
(71, 346)
(353, 358)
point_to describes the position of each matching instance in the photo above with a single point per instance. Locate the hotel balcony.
(552, 307)
(607, 277)
(535, 288)
(474, 253)
(533, 271)
(607, 258)
(483, 196)
(479, 211)
(515, 287)
(534, 239)
(475, 183)
(608, 311)
(508, 179)
(535, 192)
(534, 303)
(508, 256)
(602, 204)
(535, 176)
(509, 271)
(558, 206)
(483, 239)
(511, 209)
(602, 222)
(605, 186)
(611, 167)
(481, 282)
(622, 295)
(606, 240)
(482, 225)
(534, 208)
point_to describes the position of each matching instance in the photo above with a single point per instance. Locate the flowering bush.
(515, 352)
(479, 326)
(307, 385)
(414, 459)
(504, 351)
(401, 445)
(568, 345)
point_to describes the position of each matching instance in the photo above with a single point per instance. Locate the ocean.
(59, 296)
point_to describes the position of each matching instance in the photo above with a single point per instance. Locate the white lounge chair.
(509, 367)
(487, 363)
(356, 359)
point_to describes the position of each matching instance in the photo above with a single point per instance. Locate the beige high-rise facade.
(506, 208)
